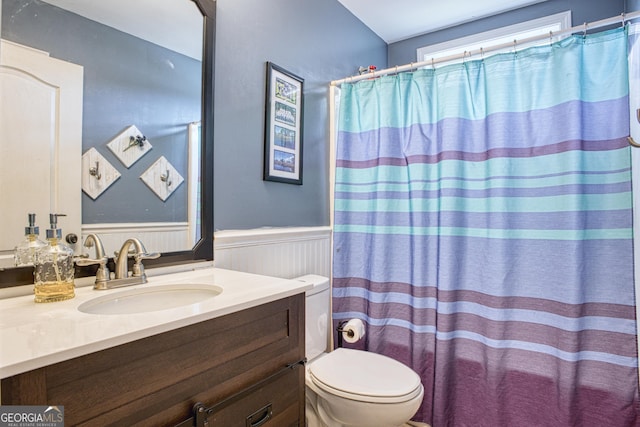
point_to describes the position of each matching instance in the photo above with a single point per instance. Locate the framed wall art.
(283, 126)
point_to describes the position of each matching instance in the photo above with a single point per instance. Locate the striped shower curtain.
(483, 233)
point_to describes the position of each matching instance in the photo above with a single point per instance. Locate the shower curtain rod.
(623, 18)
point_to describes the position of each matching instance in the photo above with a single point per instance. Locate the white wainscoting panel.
(156, 236)
(281, 252)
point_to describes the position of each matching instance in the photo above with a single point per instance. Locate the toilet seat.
(365, 376)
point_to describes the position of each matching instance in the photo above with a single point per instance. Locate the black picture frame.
(283, 126)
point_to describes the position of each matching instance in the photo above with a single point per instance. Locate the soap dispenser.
(54, 267)
(25, 253)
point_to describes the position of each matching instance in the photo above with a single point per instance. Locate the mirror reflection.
(116, 146)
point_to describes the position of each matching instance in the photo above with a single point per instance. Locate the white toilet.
(348, 387)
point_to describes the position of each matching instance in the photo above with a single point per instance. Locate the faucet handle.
(84, 260)
(140, 256)
(102, 274)
(138, 268)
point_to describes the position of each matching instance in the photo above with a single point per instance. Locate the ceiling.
(391, 20)
(176, 25)
(395, 20)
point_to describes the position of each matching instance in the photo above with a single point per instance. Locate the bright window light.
(536, 27)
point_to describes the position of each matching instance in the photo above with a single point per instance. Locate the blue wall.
(404, 52)
(319, 41)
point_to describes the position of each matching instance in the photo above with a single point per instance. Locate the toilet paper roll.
(353, 330)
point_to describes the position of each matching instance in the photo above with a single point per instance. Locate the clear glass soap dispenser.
(25, 253)
(54, 267)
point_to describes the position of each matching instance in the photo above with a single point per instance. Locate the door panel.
(40, 142)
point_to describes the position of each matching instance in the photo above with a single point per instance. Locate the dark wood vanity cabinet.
(244, 368)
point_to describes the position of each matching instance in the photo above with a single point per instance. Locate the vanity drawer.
(272, 402)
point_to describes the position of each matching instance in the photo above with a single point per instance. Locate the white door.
(40, 142)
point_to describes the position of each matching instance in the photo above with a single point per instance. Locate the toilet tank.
(317, 315)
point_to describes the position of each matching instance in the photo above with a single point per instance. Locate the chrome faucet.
(138, 275)
(102, 275)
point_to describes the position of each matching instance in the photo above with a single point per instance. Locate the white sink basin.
(150, 298)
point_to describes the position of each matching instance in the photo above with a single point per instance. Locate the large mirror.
(144, 167)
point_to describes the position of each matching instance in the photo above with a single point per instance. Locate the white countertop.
(35, 335)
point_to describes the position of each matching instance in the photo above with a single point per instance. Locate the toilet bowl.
(347, 387)
(359, 388)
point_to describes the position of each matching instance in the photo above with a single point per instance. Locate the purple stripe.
(493, 177)
(579, 220)
(556, 190)
(560, 147)
(619, 311)
(616, 343)
(564, 122)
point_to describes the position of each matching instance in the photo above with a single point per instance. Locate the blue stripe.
(534, 268)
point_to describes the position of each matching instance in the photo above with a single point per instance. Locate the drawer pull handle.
(260, 417)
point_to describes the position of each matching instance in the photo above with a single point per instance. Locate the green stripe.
(562, 203)
(598, 234)
(588, 161)
(550, 181)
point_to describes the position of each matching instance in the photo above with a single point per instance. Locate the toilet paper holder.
(342, 331)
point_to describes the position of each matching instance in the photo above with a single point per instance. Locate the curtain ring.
(584, 32)
(410, 66)
(481, 53)
(515, 47)
(396, 70)
(632, 142)
(623, 20)
(550, 37)
(433, 65)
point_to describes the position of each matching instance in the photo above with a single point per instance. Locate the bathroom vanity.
(237, 356)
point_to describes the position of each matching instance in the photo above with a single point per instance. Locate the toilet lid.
(365, 376)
